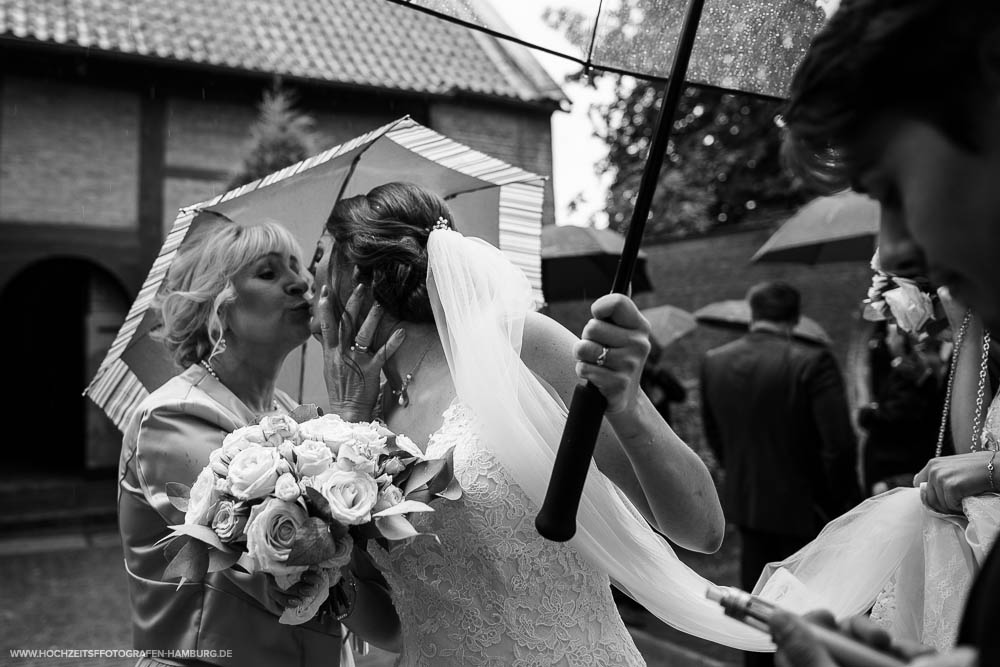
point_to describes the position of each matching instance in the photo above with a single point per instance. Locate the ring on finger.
(357, 347)
(602, 357)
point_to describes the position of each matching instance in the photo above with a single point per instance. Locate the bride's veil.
(480, 301)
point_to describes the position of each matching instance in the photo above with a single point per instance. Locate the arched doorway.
(60, 316)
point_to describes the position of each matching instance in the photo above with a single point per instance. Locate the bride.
(481, 372)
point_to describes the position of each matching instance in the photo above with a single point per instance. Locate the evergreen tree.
(280, 137)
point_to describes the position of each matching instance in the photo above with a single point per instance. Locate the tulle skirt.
(913, 565)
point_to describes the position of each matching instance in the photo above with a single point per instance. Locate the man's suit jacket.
(776, 416)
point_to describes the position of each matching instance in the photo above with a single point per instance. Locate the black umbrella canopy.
(839, 228)
(580, 263)
(742, 45)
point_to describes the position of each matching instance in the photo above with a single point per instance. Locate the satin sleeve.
(173, 444)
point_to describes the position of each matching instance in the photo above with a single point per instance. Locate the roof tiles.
(371, 43)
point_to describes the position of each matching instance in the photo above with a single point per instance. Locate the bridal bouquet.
(293, 493)
(912, 304)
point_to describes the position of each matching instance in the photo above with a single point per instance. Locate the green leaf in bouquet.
(305, 412)
(178, 495)
(312, 544)
(451, 492)
(423, 472)
(421, 495)
(190, 563)
(395, 527)
(174, 545)
(404, 507)
(201, 533)
(318, 505)
(222, 560)
(445, 476)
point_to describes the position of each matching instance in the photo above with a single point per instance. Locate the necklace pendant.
(403, 399)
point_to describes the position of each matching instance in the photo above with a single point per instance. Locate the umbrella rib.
(593, 35)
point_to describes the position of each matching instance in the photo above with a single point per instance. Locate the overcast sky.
(575, 150)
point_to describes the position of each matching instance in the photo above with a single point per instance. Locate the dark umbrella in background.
(735, 314)
(669, 324)
(839, 228)
(740, 45)
(579, 263)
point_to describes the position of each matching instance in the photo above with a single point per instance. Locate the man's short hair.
(923, 59)
(774, 302)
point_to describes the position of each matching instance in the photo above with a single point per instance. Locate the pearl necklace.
(211, 371)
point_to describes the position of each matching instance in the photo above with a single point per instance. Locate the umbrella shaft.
(661, 138)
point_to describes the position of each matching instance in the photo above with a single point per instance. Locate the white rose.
(253, 472)
(350, 459)
(248, 435)
(287, 487)
(278, 428)
(329, 429)
(287, 451)
(202, 500)
(351, 495)
(388, 497)
(312, 457)
(911, 307)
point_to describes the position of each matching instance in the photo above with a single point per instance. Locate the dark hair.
(920, 58)
(383, 234)
(774, 302)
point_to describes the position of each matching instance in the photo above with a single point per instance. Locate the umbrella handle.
(556, 519)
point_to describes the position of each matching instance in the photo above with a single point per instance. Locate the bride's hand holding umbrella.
(650, 463)
(613, 350)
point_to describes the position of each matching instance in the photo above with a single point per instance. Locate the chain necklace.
(402, 397)
(977, 427)
(211, 371)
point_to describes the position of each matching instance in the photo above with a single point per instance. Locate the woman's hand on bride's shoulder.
(352, 367)
(613, 350)
(947, 480)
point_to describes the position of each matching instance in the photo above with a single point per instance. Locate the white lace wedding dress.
(490, 590)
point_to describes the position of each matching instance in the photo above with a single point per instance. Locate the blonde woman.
(235, 304)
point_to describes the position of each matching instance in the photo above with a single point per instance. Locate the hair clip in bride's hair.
(442, 223)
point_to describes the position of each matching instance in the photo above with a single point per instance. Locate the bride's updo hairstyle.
(199, 285)
(383, 235)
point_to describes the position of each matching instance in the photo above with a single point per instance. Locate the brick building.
(112, 115)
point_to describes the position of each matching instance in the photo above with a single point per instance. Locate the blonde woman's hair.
(199, 285)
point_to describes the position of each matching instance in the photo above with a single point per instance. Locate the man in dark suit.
(776, 416)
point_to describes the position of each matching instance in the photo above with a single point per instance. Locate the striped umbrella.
(490, 199)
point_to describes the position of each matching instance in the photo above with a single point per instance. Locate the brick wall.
(69, 153)
(521, 138)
